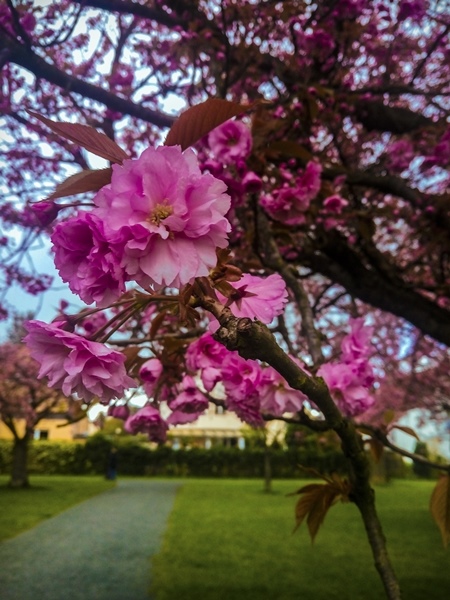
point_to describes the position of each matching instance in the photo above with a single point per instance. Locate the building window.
(220, 410)
(40, 434)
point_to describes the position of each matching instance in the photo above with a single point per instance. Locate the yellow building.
(216, 426)
(53, 428)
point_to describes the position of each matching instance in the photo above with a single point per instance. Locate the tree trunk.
(267, 470)
(19, 471)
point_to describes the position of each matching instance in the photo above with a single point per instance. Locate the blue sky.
(44, 305)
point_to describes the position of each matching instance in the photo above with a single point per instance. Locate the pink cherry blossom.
(357, 343)
(205, 352)
(178, 417)
(247, 408)
(276, 396)
(190, 401)
(309, 182)
(349, 379)
(230, 141)
(149, 373)
(351, 397)
(85, 259)
(119, 411)
(44, 212)
(76, 365)
(261, 298)
(148, 420)
(335, 204)
(287, 205)
(170, 216)
(242, 380)
(291, 201)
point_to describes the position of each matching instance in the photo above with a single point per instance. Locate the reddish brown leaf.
(323, 502)
(131, 354)
(376, 449)
(407, 430)
(291, 149)
(87, 137)
(199, 120)
(89, 180)
(316, 499)
(440, 507)
(156, 323)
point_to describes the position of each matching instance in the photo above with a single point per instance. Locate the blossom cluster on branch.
(160, 225)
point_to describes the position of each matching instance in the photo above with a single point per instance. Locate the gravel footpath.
(97, 550)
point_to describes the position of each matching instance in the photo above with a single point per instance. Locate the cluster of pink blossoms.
(350, 379)
(289, 203)
(250, 389)
(230, 145)
(158, 223)
(230, 142)
(76, 365)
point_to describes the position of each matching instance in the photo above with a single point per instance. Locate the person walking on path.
(97, 550)
(111, 467)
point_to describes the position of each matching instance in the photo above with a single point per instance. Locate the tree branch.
(42, 69)
(254, 340)
(134, 8)
(383, 438)
(270, 256)
(342, 264)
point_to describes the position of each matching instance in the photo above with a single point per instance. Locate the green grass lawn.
(228, 540)
(48, 496)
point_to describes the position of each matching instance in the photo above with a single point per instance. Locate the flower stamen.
(160, 212)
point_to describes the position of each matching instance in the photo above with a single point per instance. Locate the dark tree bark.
(19, 469)
(267, 470)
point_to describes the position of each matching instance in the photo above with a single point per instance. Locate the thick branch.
(19, 55)
(376, 116)
(342, 265)
(133, 8)
(271, 257)
(383, 438)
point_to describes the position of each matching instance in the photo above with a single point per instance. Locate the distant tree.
(421, 469)
(24, 401)
(16, 331)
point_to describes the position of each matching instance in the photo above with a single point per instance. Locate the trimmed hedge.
(71, 458)
(135, 458)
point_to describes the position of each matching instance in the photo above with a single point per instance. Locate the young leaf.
(376, 449)
(87, 137)
(199, 120)
(440, 507)
(407, 430)
(90, 180)
(316, 499)
(131, 354)
(290, 149)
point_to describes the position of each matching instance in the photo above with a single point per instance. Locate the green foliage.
(226, 539)
(388, 466)
(21, 509)
(136, 458)
(420, 469)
